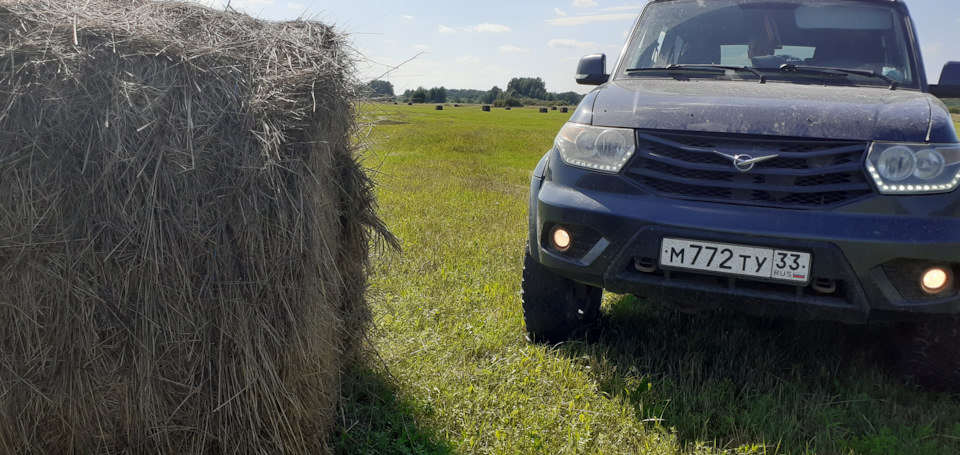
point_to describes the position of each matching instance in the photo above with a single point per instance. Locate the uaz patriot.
(777, 157)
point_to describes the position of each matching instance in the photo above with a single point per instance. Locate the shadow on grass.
(375, 421)
(733, 380)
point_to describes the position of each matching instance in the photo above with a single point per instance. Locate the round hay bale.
(507, 108)
(544, 110)
(186, 273)
(553, 108)
(485, 108)
(564, 110)
(409, 104)
(439, 108)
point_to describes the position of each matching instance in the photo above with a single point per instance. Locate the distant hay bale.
(507, 108)
(485, 108)
(185, 229)
(564, 110)
(553, 108)
(439, 107)
(544, 110)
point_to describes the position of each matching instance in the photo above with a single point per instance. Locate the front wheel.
(556, 308)
(931, 353)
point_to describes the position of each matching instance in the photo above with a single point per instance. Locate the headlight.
(595, 148)
(898, 168)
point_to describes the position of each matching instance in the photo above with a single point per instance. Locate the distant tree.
(531, 87)
(491, 95)
(517, 85)
(419, 95)
(437, 95)
(380, 88)
(508, 102)
(572, 98)
(465, 95)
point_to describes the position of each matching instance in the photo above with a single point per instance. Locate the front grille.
(805, 174)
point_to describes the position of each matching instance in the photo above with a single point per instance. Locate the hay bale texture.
(184, 229)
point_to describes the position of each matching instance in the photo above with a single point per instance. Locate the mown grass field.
(454, 374)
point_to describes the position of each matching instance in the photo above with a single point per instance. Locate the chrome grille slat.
(723, 165)
(806, 174)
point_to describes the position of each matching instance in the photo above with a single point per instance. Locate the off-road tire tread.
(551, 305)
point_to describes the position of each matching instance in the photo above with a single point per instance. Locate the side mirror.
(949, 86)
(592, 70)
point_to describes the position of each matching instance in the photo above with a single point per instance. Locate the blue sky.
(477, 45)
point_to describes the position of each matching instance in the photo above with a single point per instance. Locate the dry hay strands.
(183, 233)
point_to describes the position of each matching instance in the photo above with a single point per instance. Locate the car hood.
(778, 109)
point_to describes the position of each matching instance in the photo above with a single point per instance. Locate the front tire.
(556, 308)
(931, 353)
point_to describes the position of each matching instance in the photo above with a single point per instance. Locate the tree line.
(953, 104)
(520, 91)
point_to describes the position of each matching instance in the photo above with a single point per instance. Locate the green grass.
(454, 374)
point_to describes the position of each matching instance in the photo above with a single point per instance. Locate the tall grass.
(454, 373)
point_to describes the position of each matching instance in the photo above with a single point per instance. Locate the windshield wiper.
(674, 68)
(825, 70)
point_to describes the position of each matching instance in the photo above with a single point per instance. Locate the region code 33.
(737, 260)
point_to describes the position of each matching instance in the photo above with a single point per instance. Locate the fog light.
(935, 280)
(560, 238)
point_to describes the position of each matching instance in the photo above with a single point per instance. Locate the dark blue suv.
(777, 157)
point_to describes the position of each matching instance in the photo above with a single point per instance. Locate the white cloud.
(511, 48)
(584, 3)
(581, 20)
(445, 29)
(571, 44)
(490, 28)
(292, 5)
(559, 12)
(421, 46)
(408, 17)
(467, 60)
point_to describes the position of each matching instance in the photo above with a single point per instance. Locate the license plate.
(737, 260)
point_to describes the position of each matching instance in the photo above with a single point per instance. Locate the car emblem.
(743, 162)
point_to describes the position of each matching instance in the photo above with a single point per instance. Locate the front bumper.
(868, 251)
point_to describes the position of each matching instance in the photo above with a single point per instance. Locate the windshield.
(766, 35)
